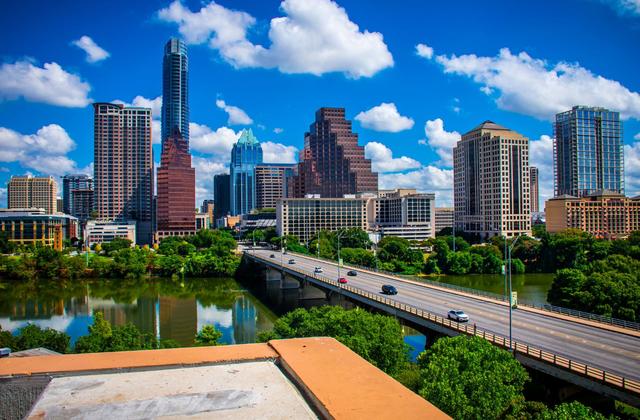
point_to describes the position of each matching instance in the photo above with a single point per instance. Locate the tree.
(32, 336)
(467, 377)
(103, 337)
(358, 256)
(377, 338)
(6, 246)
(570, 411)
(116, 244)
(208, 336)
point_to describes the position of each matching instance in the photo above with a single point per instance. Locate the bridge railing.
(502, 298)
(577, 367)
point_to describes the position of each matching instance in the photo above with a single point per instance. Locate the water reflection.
(167, 309)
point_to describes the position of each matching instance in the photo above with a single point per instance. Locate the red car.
(342, 280)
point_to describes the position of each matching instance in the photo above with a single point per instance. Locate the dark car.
(272, 256)
(292, 261)
(388, 289)
(352, 273)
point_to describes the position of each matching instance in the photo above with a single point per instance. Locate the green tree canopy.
(468, 378)
(32, 336)
(377, 338)
(208, 336)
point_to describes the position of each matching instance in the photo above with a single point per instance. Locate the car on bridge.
(388, 289)
(272, 256)
(317, 270)
(342, 280)
(292, 261)
(458, 315)
(352, 273)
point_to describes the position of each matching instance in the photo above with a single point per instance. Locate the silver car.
(458, 315)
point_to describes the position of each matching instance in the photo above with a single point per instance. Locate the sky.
(412, 75)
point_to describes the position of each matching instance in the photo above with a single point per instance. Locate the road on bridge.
(612, 351)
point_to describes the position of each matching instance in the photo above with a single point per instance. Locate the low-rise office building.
(304, 217)
(37, 227)
(97, 232)
(444, 218)
(202, 221)
(404, 213)
(604, 214)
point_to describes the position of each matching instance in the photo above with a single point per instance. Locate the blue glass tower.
(175, 89)
(588, 151)
(245, 155)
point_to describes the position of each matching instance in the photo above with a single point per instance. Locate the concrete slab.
(226, 391)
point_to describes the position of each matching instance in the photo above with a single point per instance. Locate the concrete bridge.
(593, 355)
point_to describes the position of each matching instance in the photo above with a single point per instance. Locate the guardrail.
(501, 298)
(576, 367)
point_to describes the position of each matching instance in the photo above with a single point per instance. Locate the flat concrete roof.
(294, 378)
(228, 391)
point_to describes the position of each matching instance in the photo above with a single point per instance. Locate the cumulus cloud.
(279, 130)
(636, 137)
(530, 86)
(94, 52)
(156, 112)
(236, 115)
(314, 36)
(426, 179)
(541, 156)
(49, 84)
(278, 153)
(206, 168)
(45, 151)
(632, 169)
(440, 140)
(624, 7)
(384, 117)
(423, 50)
(220, 142)
(382, 159)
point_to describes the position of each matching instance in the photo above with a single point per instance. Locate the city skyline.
(409, 97)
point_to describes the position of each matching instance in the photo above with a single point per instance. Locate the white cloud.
(636, 137)
(49, 84)
(236, 115)
(278, 153)
(440, 140)
(3, 197)
(279, 130)
(382, 159)
(220, 142)
(426, 179)
(94, 52)
(632, 169)
(423, 50)
(315, 36)
(533, 87)
(541, 156)
(206, 168)
(45, 151)
(624, 7)
(384, 117)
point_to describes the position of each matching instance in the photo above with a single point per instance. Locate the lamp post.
(338, 236)
(510, 292)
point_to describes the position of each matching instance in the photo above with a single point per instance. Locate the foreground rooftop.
(296, 378)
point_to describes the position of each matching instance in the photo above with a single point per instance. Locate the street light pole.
(338, 236)
(511, 296)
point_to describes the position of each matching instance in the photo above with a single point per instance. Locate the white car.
(318, 270)
(458, 315)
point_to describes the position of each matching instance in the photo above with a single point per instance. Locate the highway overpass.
(593, 355)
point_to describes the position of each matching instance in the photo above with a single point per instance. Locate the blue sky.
(412, 76)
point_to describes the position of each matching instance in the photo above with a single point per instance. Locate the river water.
(177, 310)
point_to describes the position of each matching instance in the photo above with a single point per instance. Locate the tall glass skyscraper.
(175, 89)
(588, 151)
(245, 155)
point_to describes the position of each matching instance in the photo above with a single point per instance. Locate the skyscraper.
(332, 163)
(77, 196)
(245, 155)
(123, 166)
(221, 196)
(533, 189)
(271, 183)
(24, 192)
(588, 151)
(175, 89)
(176, 206)
(491, 182)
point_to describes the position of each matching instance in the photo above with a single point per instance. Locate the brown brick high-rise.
(176, 208)
(332, 163)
